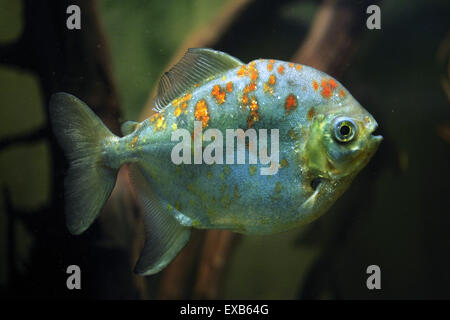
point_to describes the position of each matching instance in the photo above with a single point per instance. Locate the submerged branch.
(332, 37)
(216, 251)
(16, 55)
(24, 138)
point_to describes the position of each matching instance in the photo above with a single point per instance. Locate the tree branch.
(24, 138)
(16, 54)
(332, 38)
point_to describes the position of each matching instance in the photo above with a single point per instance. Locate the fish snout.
(371, 126)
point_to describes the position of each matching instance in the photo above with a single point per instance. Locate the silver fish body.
(323, 136)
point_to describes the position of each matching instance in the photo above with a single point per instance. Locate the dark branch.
(16, 55)
(25, 138)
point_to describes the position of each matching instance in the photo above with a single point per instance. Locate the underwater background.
(396, 214)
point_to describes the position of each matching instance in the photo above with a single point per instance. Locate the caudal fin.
(89, 182)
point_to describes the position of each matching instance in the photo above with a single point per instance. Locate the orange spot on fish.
(253, 104)
(291, 65)
(176, 102)
(230, 86)
(154, 117)
(326, 92)
(315, 85)
(201, 112)
(332, 83)
(185, 98)
(244, 100)
(254, 74)
(250, 71)
(250, 87)
(254, 114)
(272, 80)
(280, 70)
(298, 67)
(328, 87)
(268, 88)
(341, 93)
(218, 94)
(290, 103)
(160, 122)
(177, 111)
(242, 70)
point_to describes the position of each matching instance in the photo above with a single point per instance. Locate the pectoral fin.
(308, 210)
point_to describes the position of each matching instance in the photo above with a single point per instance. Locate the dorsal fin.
(196, 65)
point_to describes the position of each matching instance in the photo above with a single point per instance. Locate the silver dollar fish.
(203, 160)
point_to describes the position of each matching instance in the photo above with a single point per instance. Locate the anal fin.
(165, 236)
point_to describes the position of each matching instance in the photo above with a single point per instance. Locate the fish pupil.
(345, 130)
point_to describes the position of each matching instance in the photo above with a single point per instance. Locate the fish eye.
(344, 130)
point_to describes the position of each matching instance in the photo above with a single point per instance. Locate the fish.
(202, 159)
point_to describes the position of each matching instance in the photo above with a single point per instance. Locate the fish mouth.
(376, 139)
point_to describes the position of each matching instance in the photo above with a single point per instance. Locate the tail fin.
(89, 181)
